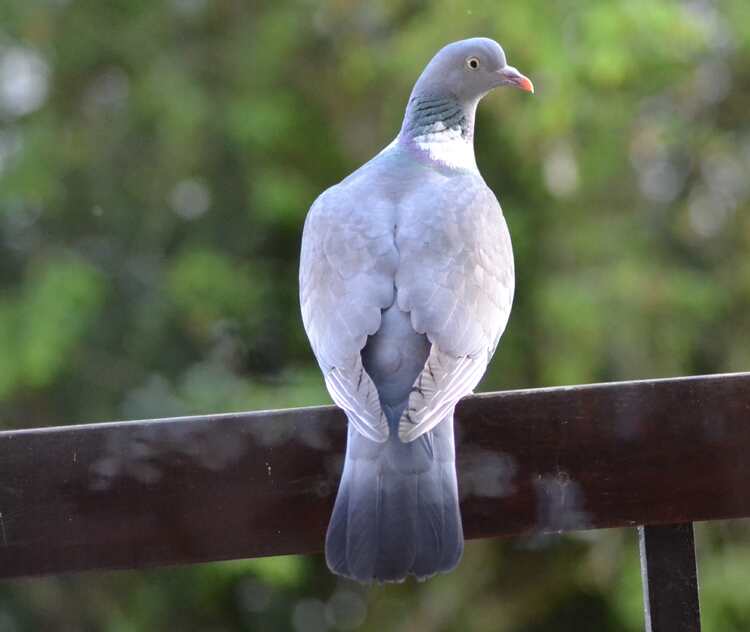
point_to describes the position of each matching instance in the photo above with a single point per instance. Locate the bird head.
(469, 69)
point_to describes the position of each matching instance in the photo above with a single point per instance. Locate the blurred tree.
(156, 163)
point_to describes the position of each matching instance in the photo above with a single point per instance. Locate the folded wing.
(348, 262)
(456, 279)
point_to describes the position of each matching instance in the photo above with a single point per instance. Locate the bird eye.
(472, 63)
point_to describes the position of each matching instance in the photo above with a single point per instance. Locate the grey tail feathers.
(396, 512)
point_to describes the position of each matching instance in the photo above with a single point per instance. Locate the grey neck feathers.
(438, 117)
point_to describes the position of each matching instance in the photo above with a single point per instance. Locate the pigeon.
(406, 285)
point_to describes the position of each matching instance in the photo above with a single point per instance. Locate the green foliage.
(156, 163)
(41, 328)
(207, 286)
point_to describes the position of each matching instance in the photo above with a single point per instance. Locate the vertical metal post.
(670, 578)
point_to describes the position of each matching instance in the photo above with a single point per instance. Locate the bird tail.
(396, 512)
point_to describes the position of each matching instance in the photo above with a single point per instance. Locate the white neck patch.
(445, 147)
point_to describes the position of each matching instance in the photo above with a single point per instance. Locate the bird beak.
(511, 76)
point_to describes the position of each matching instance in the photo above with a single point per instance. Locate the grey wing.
(456, 278)
(347, 265)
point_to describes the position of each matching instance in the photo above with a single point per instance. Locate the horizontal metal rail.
(193, 489)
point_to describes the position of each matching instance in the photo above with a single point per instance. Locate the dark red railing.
(661, 453)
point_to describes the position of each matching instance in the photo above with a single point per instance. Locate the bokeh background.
(157, 159)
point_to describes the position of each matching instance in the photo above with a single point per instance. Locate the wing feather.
(456, 278)
(353, 390)
(347, 265)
